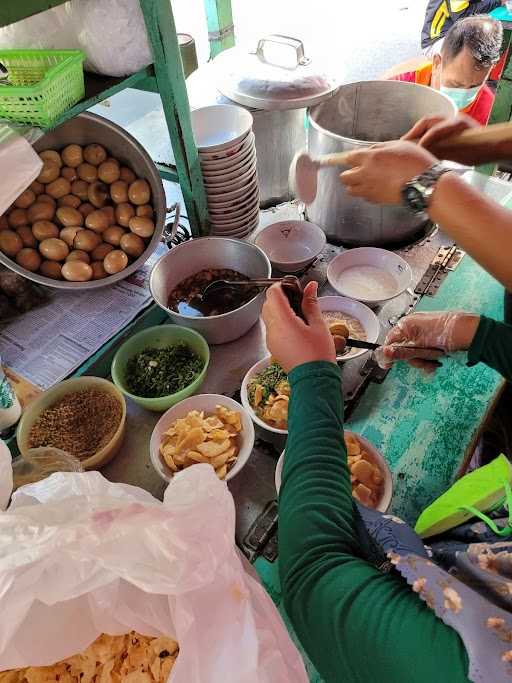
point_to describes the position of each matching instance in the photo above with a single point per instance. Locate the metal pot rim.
(355, 141)
(158, 201)
(185, 244)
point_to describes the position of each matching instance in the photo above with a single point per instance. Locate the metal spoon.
(216, 291)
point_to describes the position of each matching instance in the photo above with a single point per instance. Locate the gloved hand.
(445, 330)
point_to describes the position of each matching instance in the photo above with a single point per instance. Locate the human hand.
(291, 340)
(379, 173)
(431, 130)
(448, 331)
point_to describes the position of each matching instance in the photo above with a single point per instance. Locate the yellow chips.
(196, 438)
(366, 478)
(130, 658)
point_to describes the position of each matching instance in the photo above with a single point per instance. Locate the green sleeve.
(492, 345)
(357, 624)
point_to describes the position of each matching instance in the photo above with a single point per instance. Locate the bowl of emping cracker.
(207, 428)
(370, 476)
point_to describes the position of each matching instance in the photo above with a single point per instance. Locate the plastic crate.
(42, 84)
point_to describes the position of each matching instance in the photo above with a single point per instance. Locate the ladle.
(216, 291)
(481, 145)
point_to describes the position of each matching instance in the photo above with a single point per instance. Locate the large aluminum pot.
(359, 115)
(85, 129)
(278, 135)
(211, 252)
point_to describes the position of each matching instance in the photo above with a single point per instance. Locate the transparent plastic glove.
(447, 331)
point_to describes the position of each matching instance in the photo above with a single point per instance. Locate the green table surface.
(425, 427)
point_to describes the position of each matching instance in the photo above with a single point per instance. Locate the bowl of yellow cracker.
(207, 428)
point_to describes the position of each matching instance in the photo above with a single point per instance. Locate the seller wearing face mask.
(460, 71)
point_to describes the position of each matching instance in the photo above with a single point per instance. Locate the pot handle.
(295, 43)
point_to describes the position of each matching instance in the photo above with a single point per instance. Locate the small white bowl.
(256, 368)
(291, 245)
(220, 165)
(227, 185)
(228, 174)
(235, 163)
(247, 188)
(357, 310)
(225, 155)
(244, 204)
(220, 126)
(208, 403)
(376, 458)
(387, 261)
(238, 223)
(231, 203)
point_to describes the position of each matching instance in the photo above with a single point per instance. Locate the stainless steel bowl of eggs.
(94, 214)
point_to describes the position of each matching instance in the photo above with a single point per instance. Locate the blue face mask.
(461, 97)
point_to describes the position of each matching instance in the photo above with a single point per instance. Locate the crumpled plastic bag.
(19, 166)
(111, 33)
(80, 555)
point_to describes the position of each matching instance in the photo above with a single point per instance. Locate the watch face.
(414, 198)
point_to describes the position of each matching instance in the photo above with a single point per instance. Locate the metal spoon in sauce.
(215, 293)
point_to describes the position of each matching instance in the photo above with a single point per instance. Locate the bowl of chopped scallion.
(160, 366)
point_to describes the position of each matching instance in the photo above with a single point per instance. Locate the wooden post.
(221, 32)
(173, 92)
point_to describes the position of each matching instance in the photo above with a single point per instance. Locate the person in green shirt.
(358, 621)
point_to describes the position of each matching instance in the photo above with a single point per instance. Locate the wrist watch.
(417, 193)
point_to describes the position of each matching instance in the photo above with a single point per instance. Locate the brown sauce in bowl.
(186, 297)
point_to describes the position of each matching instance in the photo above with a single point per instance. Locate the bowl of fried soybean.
(84, 417)
(161, 366)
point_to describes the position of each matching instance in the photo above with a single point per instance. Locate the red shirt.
(481, 107)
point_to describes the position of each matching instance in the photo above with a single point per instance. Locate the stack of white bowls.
(225, 143)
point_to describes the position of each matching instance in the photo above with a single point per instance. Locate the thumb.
(310, 306)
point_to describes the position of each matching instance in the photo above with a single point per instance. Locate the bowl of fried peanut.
(370, 476)
(208, 428)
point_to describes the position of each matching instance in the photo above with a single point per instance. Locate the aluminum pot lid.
(277, 76)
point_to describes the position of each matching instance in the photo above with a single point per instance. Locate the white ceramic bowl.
(256, 368)
(231, 203)
(291, 245)
(228, 174)
(375, 456)
(246, 204)
(245, 210)
(222, 201)
(242, 196)
(357, 310)
(393, 266)
(234, 181)
(220, 126)
(228, 154)
(220, 165)
(237, 222)
(206, 402)
(237, 163)
(238, 232)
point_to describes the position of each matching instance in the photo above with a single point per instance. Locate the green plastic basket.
(41, 84)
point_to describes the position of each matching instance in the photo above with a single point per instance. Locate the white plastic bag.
(80, 556)
(111, 33)
(19, 166)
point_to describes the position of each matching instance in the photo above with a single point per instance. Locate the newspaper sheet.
(45, 345)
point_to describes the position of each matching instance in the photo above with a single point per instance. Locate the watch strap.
(417, 193)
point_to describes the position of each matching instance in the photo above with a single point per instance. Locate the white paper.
(46, 344)
(19, 166)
